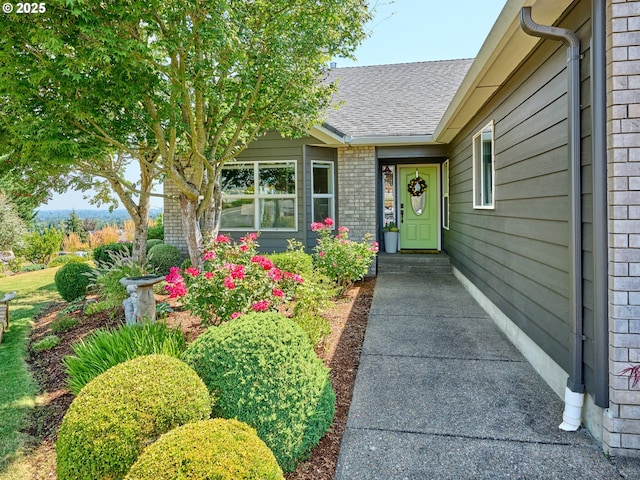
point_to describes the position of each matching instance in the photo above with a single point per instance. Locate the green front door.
(419, 227)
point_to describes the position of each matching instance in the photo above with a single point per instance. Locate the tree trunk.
(212, 215)
(191, 229)
(141, 232)
(139, 213)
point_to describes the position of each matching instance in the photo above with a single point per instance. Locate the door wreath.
(417, 186)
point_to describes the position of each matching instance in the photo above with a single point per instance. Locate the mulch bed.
(340, 352)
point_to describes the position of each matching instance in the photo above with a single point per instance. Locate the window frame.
(446, 205)
(479, 171)
(332, 196)
(257, 196)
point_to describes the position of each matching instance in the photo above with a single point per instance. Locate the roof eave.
(390, 140)
(326, 135)
(502, 52)
(331, 138)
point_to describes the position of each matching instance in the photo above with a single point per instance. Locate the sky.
(402, 31)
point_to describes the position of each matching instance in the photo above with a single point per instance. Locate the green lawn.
(17, 389)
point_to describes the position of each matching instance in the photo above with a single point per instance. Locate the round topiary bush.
(122, 411)
(102, 256)
(153, 242)
(71, 280)
(262, 370)
(218, 448)
(162, 257)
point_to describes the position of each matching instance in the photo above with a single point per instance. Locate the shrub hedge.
(162, 257)
(152, 242)
(262, 370)
(122, 411)
(71, 280)
(218, 448)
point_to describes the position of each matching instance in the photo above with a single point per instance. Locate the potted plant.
(391, 232)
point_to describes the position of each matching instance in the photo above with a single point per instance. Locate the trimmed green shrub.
(218, 448)
(71, 280)
(101, 253)
(262, 370)
(46, 343)
(122, 411)
(103, 349)
(162, 257)
(152, 242)
(293, 261)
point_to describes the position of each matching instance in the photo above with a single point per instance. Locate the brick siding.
(621, 435)
(357, 190)
(173, 234)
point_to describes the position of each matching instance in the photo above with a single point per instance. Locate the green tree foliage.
(41, 247)
(180, 85)
(74, 224)
(13, 227)
(25, 198)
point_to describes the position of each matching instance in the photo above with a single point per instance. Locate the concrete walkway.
(441, 394)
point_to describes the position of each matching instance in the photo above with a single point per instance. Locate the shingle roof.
(394, 100)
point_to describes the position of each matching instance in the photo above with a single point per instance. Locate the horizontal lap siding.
(518, 253)
(272, 147)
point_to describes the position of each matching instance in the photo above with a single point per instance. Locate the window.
(323, 196)
(483, 168)
(445, 195)
(259, 196)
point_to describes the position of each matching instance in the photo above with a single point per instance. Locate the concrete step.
(414, 263)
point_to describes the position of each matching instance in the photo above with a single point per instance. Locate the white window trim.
(324, 195)
(258, 196)
(478, 177)
(446, 213)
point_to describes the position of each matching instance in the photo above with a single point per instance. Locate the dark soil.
(340, 352)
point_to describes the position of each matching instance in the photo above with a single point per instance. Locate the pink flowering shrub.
(342, 260)
(235, 280)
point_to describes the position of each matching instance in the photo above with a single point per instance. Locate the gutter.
(574, 392)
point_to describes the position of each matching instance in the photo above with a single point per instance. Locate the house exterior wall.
(273, 146)
(357, 190)
(622, 419)
(172, 218)
(518, 253)
(268, 147)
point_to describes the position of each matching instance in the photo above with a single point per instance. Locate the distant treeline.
(92, 219)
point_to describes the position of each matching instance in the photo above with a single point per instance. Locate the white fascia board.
(326, 136)
(504, 49)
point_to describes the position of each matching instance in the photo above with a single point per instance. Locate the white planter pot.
(391, 242)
